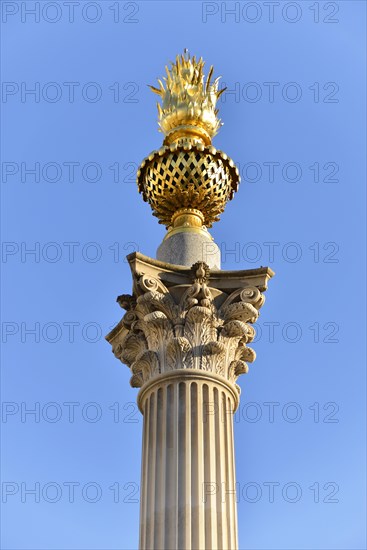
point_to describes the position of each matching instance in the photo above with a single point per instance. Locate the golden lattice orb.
(188, 101)
(187, 174)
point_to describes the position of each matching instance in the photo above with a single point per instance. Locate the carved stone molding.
(180, 318)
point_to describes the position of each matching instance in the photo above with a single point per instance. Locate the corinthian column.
(185, 337)
(187, 326)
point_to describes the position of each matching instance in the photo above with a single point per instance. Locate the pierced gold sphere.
(187, 176)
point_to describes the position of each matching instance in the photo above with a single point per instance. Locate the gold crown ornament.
(188, 182)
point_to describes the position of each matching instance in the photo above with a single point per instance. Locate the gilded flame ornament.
(188, 102)
(188, 182)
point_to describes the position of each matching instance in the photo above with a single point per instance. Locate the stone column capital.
(181, 318)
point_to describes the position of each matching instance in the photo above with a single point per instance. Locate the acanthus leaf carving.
(236, 368)
(131, 347)
(145, 366)
(157, 301)
(178, 352)
(241, 311)
(232, 329)
(245, 353)
(162, 333)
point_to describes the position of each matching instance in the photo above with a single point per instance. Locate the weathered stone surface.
(187, 248)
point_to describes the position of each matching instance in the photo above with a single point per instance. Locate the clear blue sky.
(295, 125)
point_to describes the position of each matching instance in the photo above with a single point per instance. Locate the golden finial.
(188, 182)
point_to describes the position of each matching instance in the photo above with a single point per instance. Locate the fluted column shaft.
(185, 337)
(188, 497)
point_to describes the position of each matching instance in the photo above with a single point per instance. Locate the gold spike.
(209, 78)
(155, 90)
(160, 84)
(220, 92)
